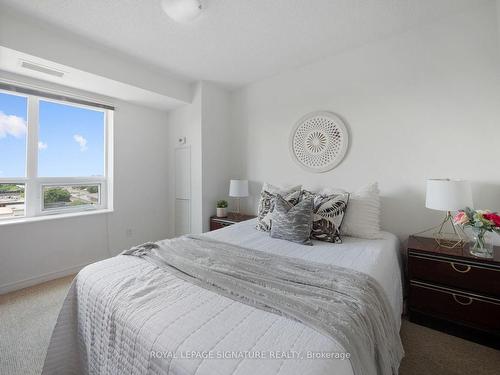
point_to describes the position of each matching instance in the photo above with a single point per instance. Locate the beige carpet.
(28, 316)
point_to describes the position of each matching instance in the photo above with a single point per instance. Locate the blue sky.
(13, 114)
(71, 139)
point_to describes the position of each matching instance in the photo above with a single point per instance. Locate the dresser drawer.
(469, 309)
(214, 225)
(456, 274)
(231, 218)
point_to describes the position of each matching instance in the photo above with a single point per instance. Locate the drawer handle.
(465, 270)
(462, 303)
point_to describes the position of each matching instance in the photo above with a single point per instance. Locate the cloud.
(12, 125)
(42, 146)
(81, 141)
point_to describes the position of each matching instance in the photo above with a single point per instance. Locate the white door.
(182, 177)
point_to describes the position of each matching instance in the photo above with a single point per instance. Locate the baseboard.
(11, 287)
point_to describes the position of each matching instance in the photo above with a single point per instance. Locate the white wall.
(498, 19)
(38, 251)
(216, 149)
(422, 104)
(205, 124)
(141, 180)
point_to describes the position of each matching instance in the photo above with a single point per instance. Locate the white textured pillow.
(362, 218)
(279, 189)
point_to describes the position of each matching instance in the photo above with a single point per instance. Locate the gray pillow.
(266, 204)
(292, 223)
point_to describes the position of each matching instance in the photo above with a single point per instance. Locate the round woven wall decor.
(319, 141)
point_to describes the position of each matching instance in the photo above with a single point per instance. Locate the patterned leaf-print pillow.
(328, 213)
(266, 205)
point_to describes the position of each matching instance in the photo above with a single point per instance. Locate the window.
(60, 196)
(53, 155)
(11, 200)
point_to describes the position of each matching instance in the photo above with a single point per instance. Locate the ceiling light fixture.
(182, 10)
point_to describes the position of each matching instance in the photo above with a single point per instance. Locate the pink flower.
(461, 218)
(494, 218)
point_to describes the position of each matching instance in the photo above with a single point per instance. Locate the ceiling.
(236, 42)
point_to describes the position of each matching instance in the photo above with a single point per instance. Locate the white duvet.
(184, 329)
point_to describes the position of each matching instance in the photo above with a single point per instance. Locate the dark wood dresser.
(232, 218)
(452, 290)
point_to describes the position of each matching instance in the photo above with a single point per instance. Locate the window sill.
(35, 219)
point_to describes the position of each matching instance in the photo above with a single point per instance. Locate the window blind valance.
(49, 95)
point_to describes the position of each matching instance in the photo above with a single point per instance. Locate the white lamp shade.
(182, 10)
(238, 188)
(448, 195)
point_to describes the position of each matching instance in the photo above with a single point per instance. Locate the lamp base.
(448, 243)
(238, 203)
(447, 235)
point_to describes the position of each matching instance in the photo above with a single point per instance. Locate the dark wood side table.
(452, 290)
(232, 218)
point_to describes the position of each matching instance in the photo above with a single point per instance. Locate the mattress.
(185, 329)
(381, 259)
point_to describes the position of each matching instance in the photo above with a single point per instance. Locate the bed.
(174, 316)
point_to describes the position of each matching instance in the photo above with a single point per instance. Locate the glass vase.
(480, 245)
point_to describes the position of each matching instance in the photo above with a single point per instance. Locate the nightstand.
(452, 290)
(232, 218)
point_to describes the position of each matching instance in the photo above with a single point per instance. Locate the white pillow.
(362, 218)
(279, 189)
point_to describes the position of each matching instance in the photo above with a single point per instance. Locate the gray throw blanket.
(341, 303)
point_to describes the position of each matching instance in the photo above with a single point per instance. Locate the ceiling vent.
(42, 69)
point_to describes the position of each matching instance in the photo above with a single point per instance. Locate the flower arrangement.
(481, 222)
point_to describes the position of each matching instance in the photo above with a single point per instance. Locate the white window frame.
(33, 184)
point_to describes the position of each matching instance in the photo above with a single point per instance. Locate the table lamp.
(448, 195)
(238, 189)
